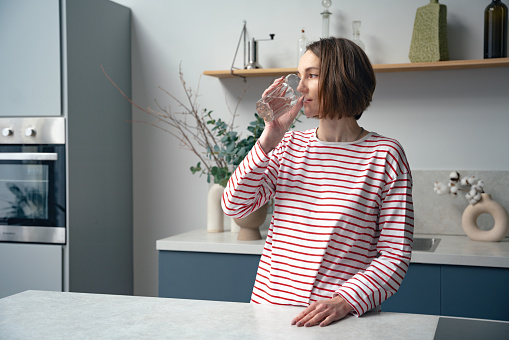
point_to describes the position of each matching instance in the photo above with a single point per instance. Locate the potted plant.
(229, 149)
(214, 142)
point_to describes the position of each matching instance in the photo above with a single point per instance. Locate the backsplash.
(441, 214)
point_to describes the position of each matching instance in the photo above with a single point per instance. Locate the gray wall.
(445, 120)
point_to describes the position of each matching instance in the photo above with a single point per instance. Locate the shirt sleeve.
(251, 185)
(381, 279)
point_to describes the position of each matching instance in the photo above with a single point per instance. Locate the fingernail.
(307, 324)
(299, 324)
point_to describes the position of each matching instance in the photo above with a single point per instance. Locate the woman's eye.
(313, 75)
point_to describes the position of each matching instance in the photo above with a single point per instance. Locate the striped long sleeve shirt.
(342, 221)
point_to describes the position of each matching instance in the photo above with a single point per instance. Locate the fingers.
(299, 319)
(321, 313)
(272, 86)
(314, 319)
(311, 316)
(329, 319)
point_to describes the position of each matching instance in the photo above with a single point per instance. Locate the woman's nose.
(301, 87)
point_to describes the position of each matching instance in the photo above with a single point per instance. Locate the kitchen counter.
(56, 315)
(452, 250)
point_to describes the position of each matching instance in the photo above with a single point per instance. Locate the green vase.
(429, 39)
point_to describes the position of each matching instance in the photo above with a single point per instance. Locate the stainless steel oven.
(32, 180)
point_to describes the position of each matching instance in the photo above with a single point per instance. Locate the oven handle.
(28, 156)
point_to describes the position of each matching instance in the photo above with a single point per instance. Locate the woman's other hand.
(323, 312)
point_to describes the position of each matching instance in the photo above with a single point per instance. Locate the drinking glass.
(280, 99)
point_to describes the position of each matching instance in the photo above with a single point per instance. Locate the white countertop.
(56, 315)
(452, 250)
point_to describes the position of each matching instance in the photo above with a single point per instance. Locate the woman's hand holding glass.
(279, 106)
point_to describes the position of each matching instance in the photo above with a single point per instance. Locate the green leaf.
(197, 168)
(230, 147)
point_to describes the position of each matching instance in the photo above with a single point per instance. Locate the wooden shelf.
(407, 67)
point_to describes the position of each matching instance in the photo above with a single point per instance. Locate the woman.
(340, 238)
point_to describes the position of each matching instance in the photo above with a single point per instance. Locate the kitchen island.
(57, 315)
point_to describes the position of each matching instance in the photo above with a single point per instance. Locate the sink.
(425, 244)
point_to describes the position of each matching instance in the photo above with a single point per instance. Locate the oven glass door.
(32, 193)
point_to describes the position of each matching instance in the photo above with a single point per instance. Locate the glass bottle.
(495, 30)
(302, 45)
(356, 26)
(325, 17)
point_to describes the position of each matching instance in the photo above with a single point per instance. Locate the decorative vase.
(215, 214)
(429, 38)
(234, 227)
(250, 224)
(489, 206)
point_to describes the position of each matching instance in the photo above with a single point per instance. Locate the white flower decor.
(471, 185)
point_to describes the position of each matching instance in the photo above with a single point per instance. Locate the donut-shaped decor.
(489, 206)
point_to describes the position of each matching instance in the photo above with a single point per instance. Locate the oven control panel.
(28, 130)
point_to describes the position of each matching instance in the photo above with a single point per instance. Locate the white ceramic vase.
(489, 206)
(215, 214)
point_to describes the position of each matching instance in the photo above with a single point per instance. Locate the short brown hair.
(347, 79)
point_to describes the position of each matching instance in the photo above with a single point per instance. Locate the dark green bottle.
(495, 30)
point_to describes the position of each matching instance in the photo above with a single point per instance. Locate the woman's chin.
(309, 114)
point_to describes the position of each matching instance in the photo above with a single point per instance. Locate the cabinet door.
(475, 292)
(29, 266)
(419, 293)
(207, 276)
(30, 58)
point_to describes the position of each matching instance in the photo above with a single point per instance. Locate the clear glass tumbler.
(280, 99)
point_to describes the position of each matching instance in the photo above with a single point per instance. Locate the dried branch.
(194, 128)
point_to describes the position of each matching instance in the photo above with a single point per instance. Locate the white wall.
(445, 120)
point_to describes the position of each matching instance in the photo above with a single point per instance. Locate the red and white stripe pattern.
(342, 222)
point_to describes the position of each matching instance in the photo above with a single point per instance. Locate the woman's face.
(309, 73)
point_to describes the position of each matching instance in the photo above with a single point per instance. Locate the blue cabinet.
(462, 291)
(207, 276)
(475, 292)
(419, 293)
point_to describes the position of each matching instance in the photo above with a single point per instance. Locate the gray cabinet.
(99, 256)
(30, 56)
(51, 56)
(29, 267)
